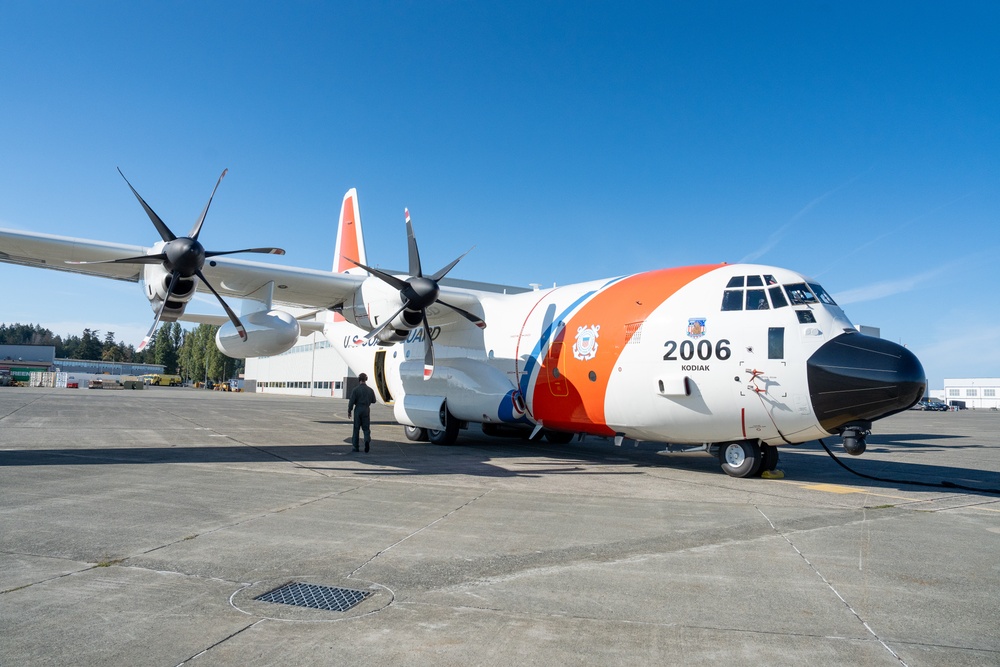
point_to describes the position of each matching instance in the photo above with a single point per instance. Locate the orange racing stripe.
(570, 389)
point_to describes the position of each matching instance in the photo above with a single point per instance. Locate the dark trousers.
(362, 422)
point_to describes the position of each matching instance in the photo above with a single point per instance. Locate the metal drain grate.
(314, 597)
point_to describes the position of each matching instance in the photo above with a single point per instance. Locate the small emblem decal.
(585, 346)
(696, 327)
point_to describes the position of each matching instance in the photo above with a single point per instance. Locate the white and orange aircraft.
(734, 359)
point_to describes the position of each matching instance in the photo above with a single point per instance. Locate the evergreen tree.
(166, 352)
(192, 354)
(90, 346)
(110, 351)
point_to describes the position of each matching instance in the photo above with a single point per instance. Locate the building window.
(990, 392)
(971, 392)
(954, 392)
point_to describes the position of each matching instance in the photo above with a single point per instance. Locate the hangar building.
(976, 393)
(311, 368)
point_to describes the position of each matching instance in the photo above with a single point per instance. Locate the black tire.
(770, 458)
(449, 434)
(415, 433)
(741, 459)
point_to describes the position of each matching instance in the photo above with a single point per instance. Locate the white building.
(311, 368)
(976, 393)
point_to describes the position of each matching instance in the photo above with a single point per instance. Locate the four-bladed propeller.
(183, 257)
(417, 293)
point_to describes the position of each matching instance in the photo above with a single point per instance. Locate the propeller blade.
(262, 251)
(443, 272)
(392, 280)
(161, 226)
(411, 243)
(464, 313)
(377, 330)
(429, 350)
(174, 277)
(240, 329)
(197, 226)
(141, 259)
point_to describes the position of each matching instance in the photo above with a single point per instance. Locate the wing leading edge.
(307, 288)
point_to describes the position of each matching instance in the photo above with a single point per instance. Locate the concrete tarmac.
(138, 527)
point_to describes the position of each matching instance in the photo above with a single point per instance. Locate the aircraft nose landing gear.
(747, 458)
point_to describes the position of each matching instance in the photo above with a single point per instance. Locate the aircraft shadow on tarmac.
(482, 456)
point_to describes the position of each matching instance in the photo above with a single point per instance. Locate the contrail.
(871, 242)
(776, 236)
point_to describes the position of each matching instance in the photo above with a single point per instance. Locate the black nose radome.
(856, 377)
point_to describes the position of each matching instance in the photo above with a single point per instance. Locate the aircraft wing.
(306, 288)
(46, 251)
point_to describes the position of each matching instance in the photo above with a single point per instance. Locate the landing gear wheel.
(770, 458)
(415, 433)
(741, 459)
(449, 434)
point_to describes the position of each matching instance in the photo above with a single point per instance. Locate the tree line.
(191, 354)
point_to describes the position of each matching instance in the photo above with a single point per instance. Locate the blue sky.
(856, 142)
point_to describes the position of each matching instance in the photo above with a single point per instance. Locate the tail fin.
(350, 240)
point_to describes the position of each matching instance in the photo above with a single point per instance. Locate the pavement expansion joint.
(829, 585)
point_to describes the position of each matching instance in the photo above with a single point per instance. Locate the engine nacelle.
(157, 281)
(473, 390)
(373, 303)
(268, 333)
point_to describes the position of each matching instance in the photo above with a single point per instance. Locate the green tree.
(110, 350)
(166, 351)
(90, 346)
(26, 334)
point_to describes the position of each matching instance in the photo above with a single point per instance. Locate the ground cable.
(943, 484)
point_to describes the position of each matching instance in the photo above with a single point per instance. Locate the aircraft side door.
(554, 377)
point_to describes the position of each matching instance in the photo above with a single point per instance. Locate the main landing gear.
(747, 458)
(445, 436)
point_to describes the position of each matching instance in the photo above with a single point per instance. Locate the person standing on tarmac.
(361, 398)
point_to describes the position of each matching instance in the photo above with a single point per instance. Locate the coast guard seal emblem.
(585, 346)
(696, 327)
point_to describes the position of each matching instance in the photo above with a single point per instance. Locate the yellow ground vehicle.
(164, 380)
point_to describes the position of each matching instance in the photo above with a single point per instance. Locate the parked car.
(933, 406)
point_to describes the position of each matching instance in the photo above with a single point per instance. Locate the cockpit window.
(736, 297)
(799, 294)
(822, 294)
(732, 299)
(756, 299)
(802, 293)
(777, 297)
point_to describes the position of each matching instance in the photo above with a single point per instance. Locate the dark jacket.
(361, 397)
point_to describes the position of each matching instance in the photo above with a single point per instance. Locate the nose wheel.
(747, 458)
